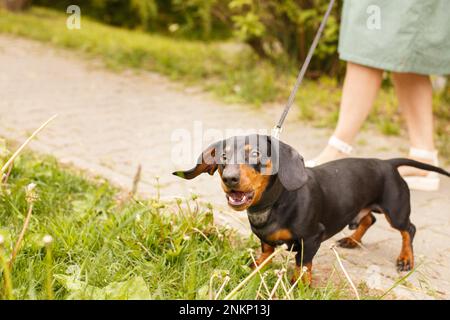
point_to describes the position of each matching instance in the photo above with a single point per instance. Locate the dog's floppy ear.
(207, 162)
(291, 170)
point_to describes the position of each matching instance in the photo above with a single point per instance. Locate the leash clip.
(276, 131)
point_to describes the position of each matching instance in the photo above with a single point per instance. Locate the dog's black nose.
(231, 180)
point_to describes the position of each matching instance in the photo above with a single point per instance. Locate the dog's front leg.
(307, 249)
(266, 251)
(303, 271)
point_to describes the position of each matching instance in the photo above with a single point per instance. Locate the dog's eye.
(223, 157)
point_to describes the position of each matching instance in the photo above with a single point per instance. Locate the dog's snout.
(231, 181)
(230, 177)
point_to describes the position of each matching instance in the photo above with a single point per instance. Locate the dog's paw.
(347, 242)
(306, 278)
(404, 264)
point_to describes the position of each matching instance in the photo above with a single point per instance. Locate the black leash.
(277, 129)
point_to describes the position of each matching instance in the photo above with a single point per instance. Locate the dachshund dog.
(301, 207)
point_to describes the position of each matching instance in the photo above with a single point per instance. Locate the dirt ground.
(109, 123)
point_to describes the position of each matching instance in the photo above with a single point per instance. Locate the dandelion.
(30, 193)
(48, 240)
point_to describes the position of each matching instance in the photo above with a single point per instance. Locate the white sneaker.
(431, 181)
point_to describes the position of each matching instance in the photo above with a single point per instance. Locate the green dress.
(397, 35)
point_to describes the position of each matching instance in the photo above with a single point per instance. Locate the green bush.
(201, 19)
(280, 31)
(128, 13)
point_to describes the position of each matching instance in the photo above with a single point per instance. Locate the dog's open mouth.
(239, 198)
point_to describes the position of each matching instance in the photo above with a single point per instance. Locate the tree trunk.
(15, 5)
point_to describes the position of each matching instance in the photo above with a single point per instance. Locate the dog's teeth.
(237, 198)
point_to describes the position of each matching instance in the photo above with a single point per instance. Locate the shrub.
(280, 31)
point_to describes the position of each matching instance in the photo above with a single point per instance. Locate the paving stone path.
(109, 123)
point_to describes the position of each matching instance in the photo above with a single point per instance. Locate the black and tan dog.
(289, 204)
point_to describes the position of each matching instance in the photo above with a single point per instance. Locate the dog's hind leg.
(405, 261)
(397, 209)
(355, 239)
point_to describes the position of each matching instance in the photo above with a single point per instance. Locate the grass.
(104, 247)
(229, 70)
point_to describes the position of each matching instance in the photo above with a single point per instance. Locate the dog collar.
(258, 218)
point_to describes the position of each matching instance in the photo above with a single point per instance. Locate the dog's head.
(248, 165)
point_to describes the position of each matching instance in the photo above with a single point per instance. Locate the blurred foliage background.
(280, 31)
(243, 51)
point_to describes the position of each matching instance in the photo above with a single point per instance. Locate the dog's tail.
(416, 164)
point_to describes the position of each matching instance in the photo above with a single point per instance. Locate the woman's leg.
(360, 89)
(415, 95)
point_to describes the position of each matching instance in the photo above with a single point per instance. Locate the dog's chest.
(268, 230)
(258, 219)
